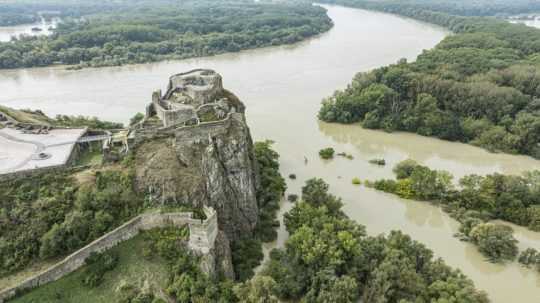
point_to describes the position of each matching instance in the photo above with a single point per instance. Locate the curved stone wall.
(201, 240)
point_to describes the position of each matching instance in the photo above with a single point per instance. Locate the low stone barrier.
(201, 240)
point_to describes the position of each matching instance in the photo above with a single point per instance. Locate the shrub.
(345, 155)
(389, 186)
(97, 265)
(534, 217)
(246, 255)
(136, 119)
(356, 181)
(405, 189)
(380, 162)
(292, 198)
(495, 241)
(404, 169)
(327, 153)
(529, 257)
(292, 176)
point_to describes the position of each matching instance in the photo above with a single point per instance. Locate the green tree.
(495, 241)
(260, 289)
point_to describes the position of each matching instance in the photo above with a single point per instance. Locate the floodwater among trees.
(282, 88)
(45, 28)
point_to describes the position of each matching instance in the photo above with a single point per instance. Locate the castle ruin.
(191, 98)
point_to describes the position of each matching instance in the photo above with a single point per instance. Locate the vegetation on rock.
(247, 252)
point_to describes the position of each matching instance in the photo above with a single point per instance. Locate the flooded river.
(533, 22)
(45, 28)
(282, 88)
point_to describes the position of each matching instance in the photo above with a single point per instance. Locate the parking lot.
(20, 151)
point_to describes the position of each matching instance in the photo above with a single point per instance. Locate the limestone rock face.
(223, 258)
(203, 166)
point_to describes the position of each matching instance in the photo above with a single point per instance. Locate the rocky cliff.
(189, 167)
(206, 160)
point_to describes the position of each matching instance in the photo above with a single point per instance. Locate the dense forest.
(478, 200)
(15, 12)
(480, 85)
(329, 258)
(51, 215)
(146, 31)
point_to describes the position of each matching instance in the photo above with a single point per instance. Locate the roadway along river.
(282, 88)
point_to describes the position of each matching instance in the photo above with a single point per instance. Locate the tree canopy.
(480, 85)
(115, 33)
(330, 258)
(477, 200)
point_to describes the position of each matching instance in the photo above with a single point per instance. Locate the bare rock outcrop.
(210, 163)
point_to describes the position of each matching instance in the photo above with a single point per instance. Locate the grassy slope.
(132, 267)
(25, 116)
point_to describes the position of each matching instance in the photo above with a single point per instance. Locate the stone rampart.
(203, 233)
(206, 91)
(202, 237)
(201, 130)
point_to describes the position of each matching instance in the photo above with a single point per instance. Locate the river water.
(533, 23)
(282, 88)
(6, 32)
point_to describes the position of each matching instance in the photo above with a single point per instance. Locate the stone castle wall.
(202, 234)
(199, 131)
(202, 239)
(204, 94)
(173, 116)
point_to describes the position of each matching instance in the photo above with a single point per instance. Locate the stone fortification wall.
(207, 91)
(201, 130)
(175, 116)
(203, 232)
(170, 116)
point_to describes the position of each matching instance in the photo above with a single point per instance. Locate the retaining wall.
(202, 237)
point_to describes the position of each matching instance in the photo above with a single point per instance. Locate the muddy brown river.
(282, 88)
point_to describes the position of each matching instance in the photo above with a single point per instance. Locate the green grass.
(132, 268)
(208, 116)
(91, 157)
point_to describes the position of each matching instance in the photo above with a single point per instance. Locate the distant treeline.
(481, 85)
(453, 7)
(16, 12)
(147, 31)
